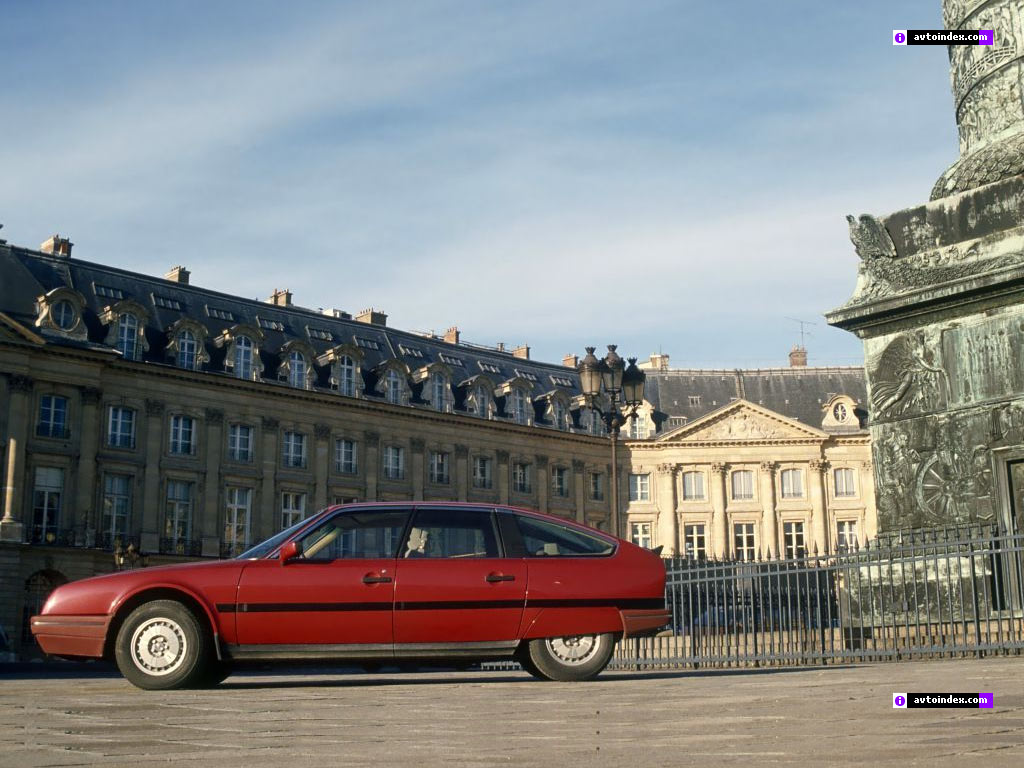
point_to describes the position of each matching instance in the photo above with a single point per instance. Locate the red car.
(372, 583)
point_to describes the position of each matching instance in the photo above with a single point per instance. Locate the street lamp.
(129, 557)
(623, 385)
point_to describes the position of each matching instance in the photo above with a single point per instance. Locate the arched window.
(127, 335)
(243, 357)
(483, 401)
(347, 376)
(439, 391)
(64, 316)
(394, 387)
(558, 414)
(187, 350)
(297, 370)
(519, 406)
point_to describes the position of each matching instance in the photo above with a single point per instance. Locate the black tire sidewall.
(549, 666)
(197, 660)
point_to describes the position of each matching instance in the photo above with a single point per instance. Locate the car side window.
(373, 534)
(544, 539)
(451, 533)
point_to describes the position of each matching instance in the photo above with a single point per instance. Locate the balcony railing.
(183, 547)
(53, 537)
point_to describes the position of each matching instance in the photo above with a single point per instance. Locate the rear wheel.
(162, 645)
(571, 658)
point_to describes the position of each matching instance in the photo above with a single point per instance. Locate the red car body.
(272, 607)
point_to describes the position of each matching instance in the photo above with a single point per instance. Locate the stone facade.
(939, 304)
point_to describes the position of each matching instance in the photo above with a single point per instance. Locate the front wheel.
(162, 645)
(568, 659)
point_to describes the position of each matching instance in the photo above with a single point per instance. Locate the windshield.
(266, 547)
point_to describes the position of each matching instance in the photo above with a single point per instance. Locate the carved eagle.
(870, 238)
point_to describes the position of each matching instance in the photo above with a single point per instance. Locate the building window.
(596, 486)
(844, 482)
(693, 486)
(293, 508)
(438, 467)
(345, 456)
(482, 472)
(394, 462)
(694, 543)
(846, 538)
(439, 391)
(240, 442)
(128, 335)
(639, 487)
(792, 484)
(64, 315)
(121, 427)
(183, 430)
(560, 481)
(244, 358)
(558, 413)
(293, 452)
(483, 402)
(793, 539)
(637, 429)
(236, 520)
(347, 376)
(53, 416)
(47, 497)
(117, 506)
(178, 517)
(187, 349)
(743, 541)
(595, 423)
(519, 406)
(297, 369)
(694, 400)
(521, 481)
(742, 485)
(640, 534)
(394, 387)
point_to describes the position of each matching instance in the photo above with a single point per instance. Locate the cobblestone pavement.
(833, 716)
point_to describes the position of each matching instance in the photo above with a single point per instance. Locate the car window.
(452, 533)
(372, 534)
(544, 539)
(266, 547)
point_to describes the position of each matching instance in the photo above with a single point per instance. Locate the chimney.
(452, 335)
(372, 317)
(178, 275)
(280, 298)
(571, 361)
(501, 346)
(659, 362)
(798, 357)
(57, 246)
(338, 313)
(522, 351)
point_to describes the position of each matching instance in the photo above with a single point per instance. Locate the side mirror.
(289, 551)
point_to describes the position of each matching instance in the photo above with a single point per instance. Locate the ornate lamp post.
(129, 557)
(623, 385)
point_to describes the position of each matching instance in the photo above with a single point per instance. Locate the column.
(769, 520)
(867, 492)
(152, 436)
(543, 483)
(579, 478)
(321, 464)
(462, 472)
(267, 520)
(372, 456)
(416, 468)
(719, 521)
(209, 523)
(85, 484)
(819, 507)
(502, 477)
(668, 518)
(18, 389)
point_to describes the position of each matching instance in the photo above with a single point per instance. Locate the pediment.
(13, 331)
(742, 421)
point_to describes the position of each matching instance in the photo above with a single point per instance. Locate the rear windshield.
(544, 539)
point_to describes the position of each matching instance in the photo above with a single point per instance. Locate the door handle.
(371, 579)
(496, 577)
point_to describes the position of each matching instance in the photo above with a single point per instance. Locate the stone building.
(751, 463)
(939, 304)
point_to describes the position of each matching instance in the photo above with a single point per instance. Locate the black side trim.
(655, 603)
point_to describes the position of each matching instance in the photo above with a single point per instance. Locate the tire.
(569, 659)
(528, 665)
(162, 646)
(216, 673)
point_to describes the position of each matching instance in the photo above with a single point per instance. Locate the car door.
(452, 584)
(339, 591)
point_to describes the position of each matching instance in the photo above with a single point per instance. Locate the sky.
(668, 176)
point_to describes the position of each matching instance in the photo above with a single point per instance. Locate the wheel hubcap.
(159, 646)
(575, 650)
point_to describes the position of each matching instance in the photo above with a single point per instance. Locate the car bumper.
(71, 635)
(636, 623)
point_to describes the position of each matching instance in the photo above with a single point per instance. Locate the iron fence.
(911, 594)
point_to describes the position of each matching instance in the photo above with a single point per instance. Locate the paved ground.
(836, 716)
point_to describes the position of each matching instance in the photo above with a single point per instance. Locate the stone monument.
(939, 305)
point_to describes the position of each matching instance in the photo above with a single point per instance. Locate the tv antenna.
(802, 331)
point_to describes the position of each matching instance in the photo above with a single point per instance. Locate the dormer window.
(483, 401)
(64, 315)
(439, 391)
(61, 310)
(559, 414)
(519, 406)
(393, 387)
(297, 370)
(347, 376)
(125, 323)
(243, 357)
(187, 350)
(127, 335)
(295, 366)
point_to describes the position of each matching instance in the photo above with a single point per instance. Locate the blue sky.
(664, 175)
